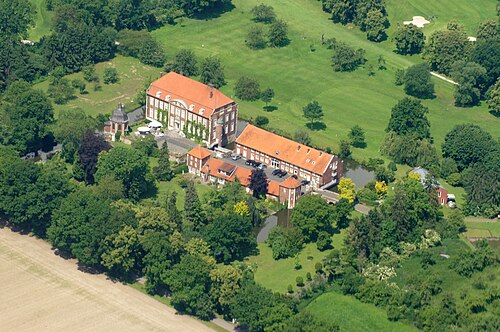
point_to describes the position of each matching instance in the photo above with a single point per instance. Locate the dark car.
(304, 182)
(249, 162)
(276, 172)
(295, 176)
(282, 174)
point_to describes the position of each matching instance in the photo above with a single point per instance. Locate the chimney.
(298, 147)
(211, 86)
(321, 153)
(308, 150)
(161, 74)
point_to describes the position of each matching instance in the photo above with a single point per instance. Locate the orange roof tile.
(191, 92)
(284, 149)
(273, 188)
(199, 152)
(213, 165)
(290, 183)
(243, 175)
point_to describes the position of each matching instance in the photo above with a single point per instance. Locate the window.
(232, 115)
(156, 102)
(161, 104)
(275, 163)
(190, 116)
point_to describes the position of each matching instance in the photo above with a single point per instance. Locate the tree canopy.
(409, 39)
(408, 116)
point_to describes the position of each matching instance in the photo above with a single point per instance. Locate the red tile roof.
(290, 183)
(284, 149)
(191, 92)
(199, 152)
(213, 165)
(273, 188)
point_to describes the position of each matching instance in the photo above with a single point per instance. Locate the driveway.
(176, 143)
(268, 170)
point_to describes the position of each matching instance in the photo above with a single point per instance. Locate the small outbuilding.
(118, 122)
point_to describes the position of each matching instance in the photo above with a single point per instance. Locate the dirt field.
(40, 291)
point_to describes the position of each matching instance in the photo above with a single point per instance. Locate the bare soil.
(40, 291)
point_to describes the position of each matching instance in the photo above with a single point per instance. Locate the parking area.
(268, 170)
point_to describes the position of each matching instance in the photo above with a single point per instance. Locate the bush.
(418, 81)
(399, 77)
(299, 281)
(263, 13)
(110, 76)
(261, 121)
(392, 166)
(318, 267)
(290, 289)
(80, 85)
(255, 38)
(324, 241)
(89, 74)
(308, 276)
(346, 58)
(455, 179)
(302, 136)
(247, 89)
(285, 242)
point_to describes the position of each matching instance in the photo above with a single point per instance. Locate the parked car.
(304, 182)
(276, 172)
(295, 176)
(256, 164)
(262, 166)
(235, 157)
(282, 174)
(249, 162)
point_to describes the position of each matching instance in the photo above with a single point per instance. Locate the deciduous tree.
(258, 183)
(278, 34)
(263, 13)
(313, 111)
(185, 63)
(418, 81)
(347, 189)
(409, 39)
(90, 147)
(408, 116)
(312, 216)
(212, 72)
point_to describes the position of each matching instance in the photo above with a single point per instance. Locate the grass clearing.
(353, 315)
(132, 75)
(165, 187)
(298, 75)
(278, 274)
(488, 229)
(43, 21)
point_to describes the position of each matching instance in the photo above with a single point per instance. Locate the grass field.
(352, 315)
(482, 229)
(43, 21)
(278, 274)
(298, 75)
(132, 75)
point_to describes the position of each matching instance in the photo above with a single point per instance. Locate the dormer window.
(308, 160)
(167, 98)
(158, 94)
(202, 110)
(314, 163)
(277, 153)
(191, 107)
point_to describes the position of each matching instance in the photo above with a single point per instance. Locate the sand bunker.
(471, 39)
(418, 21)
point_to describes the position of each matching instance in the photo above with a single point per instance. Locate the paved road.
(176, 143)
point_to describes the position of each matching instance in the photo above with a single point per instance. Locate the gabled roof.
(227, 168)
(290, 183)
(273, 188)
(285, 149)
(204, 98)
(423, 175)
(242, 174)
(199, 152)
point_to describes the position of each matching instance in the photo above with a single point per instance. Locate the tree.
(346, 58)
(185, 63)
(190, 284)
(129, 166)
(110, 75)
(212, 72)
(409, 39)
(304, 321)
(230, 238)
(481, 186)
(285, 242)
(152, 53)
(121, 252)
(267, 95)
(302, 137)
(399, 77)
(408, 116)
(471, 78)
(278, 34)
(381, 189)
(375, 25)
(488, 30)
(494, 98)
(146, 145)
(347, 189)
(89, 73)
(313, 111)
(194, 216)
(312, 215)
(261, 121)
(16, 17)
(468, 144)
(345, 149)
(445, 47)
(247, 89)
(80, 85)
(263, 13)
(163, 172)
(258, 183)
(486, 54)
(226, 282)
(91, 145)
(255, 38)
(157, 260)
(409, 149)
(30, 114)
(418, 81)
(69, 129)
(357, 137)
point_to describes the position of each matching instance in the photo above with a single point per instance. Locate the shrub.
(299, 281)
(261, 121)
(318, 267)
(455, 179)
(263, 13)
(285, 242)
(110, 76)
(89, 74)
(308, 276)
(247, 89)
(346, 58)
(392, 166)
(255, 38)
(290, 289)
(399, 78)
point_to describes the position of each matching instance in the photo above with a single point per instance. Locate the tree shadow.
(215, 12)
(270, 108)
(316, 125)
(496, 114)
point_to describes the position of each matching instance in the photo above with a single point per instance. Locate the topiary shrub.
(299, 281)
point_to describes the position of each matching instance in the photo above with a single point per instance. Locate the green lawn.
(43, 21)
(469, 13)
(298, 75)
(278, 274)
(482, 229)
(173, 185)
(352, 315)
(132, 75)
